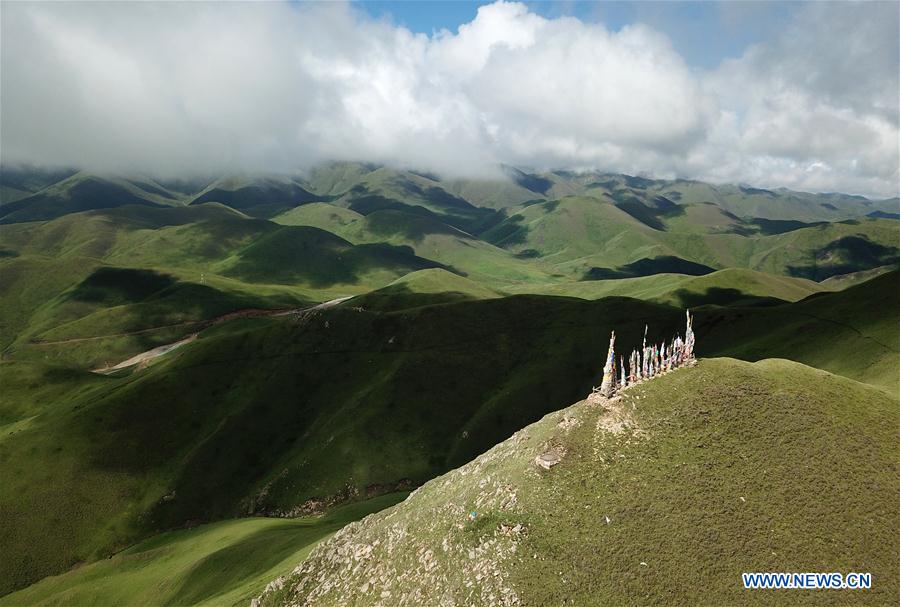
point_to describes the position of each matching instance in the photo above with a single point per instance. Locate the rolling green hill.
(211, 259)
(853, 332)
(226, 563)
(367, 189)
(587, 237)
(17, 182)
(300, 254)
(259, 197)
(573, 228)
(83, 192)
(321, 215)
(428, 237)
(425, 287)
(703, 474)
(733, 286)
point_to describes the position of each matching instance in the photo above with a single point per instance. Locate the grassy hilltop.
(663, 496)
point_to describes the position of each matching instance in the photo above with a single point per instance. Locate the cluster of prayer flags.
(648, 361)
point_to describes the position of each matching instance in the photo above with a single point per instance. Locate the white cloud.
(182, 87)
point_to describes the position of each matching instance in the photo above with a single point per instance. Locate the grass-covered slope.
(300, 254)
(218, 564)
(429, 237)
(425, 287)
(571, 228)
(842, 281)
(288, 414)
(114, 313)
(277, 415)
(732, 286)
(83, 192)
(211, 260)
(319, 215)
(259, 197)
(588, 237)
(854, 332)
(663, 497)
(366, 189)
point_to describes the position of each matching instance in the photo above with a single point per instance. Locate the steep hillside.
(662, 496)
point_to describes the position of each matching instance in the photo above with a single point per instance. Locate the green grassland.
(478, 307)
(732, 286)
(843, 281)
(256, 196)
(322, 215)
(581, 234)
(853, 332)
(425, 287)
(82, 192)
(260, 416)
(309, 407)
(225, 563)
(207, 260)
(662, 497)
(429, 238)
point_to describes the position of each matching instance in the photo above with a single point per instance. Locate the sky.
(798, 95)
(703, 33)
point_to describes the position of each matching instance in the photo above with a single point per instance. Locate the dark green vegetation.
(662, 497)
(263, 415)
(256, 197)
(218, 564)
(852, 332)
(477, 308)
(664, 264)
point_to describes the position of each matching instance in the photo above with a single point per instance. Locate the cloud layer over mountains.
(180, 88)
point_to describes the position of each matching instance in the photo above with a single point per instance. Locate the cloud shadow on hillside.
(719, 296)
(662, 264)
(844, 256)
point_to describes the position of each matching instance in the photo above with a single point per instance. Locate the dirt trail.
(145, 357)
(149, 355)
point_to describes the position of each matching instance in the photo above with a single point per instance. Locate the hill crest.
(630, 513)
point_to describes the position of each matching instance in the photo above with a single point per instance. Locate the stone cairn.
(647, 362)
